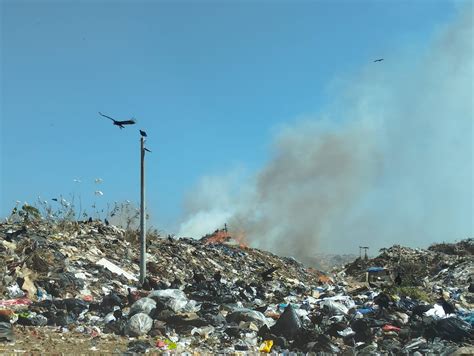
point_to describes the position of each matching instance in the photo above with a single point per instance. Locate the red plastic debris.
(160, 344)
(389, 327)
(11, 302)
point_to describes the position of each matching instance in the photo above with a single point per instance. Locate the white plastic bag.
(144, 305)
(139, 324)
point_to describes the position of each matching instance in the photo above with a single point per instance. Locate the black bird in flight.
(379, 60)
(143, 133)
(119, 123)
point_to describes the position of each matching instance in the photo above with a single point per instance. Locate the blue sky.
(209, 81)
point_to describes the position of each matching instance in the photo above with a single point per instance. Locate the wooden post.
(142, 213)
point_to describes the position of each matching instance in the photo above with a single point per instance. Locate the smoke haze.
(390, 162)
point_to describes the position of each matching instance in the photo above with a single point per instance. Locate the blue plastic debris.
(365, 310)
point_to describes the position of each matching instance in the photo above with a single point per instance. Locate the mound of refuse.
(76, 283)
(447, 265)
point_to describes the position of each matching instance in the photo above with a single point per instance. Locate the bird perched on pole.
(118, 122)
(143, 133)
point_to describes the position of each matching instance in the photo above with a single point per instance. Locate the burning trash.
(76, 284)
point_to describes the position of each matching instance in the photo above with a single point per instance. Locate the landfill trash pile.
(76, 285)
(461, 248)
(448, 264)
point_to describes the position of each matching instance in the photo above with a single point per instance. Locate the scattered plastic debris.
(75, 284)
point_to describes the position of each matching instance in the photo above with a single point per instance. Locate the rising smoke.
(394, 166)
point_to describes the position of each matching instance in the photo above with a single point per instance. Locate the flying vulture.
(119, 123)
(379, 60)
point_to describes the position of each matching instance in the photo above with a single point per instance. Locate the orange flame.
(241, 239)
(217, 237)
(223, 236)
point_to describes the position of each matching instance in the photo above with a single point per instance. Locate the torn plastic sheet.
(116, 269)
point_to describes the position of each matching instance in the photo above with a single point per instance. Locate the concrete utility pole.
(142, 212)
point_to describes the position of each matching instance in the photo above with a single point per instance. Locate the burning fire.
(241, 239)
(221, 236)
(217, 237)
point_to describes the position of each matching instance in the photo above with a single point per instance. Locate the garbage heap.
(61, 282)
(445, 265)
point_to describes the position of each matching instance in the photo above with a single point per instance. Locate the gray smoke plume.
(391, 163)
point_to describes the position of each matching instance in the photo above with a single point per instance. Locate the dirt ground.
(51, 341)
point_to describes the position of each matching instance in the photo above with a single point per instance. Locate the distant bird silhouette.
(447, 307)
(419, 310)
(119, 123)
(379, 60)
(106, 222)
(143, 133)
(54, 199)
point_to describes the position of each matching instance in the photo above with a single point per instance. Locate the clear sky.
(209, 81)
